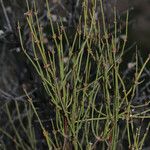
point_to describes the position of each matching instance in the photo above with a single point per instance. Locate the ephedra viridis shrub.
(82, 78)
